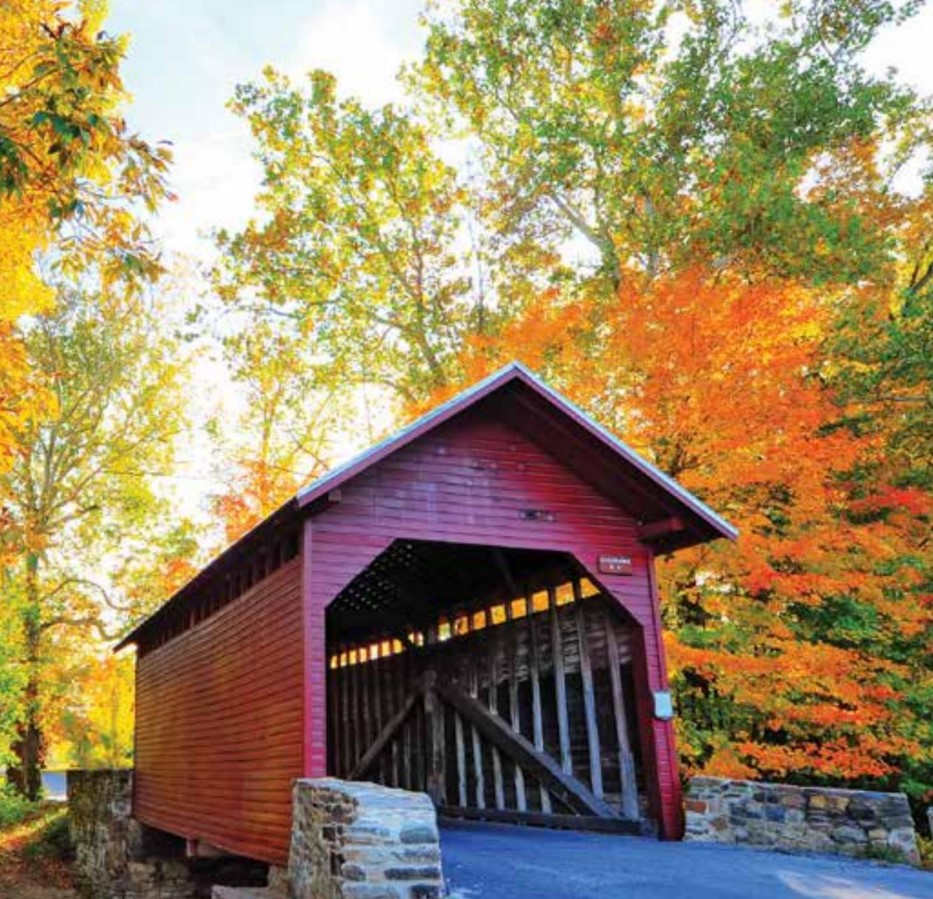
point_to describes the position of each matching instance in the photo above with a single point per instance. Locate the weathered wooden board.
(510, 669)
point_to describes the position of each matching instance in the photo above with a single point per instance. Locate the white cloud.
(906, 49)
(216, 179)
(362, 43)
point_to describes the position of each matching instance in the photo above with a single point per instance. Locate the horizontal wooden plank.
(540, 819)
(220, 714)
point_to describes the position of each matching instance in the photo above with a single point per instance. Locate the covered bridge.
(469, 608)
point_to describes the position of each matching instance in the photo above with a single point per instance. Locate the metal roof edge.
(652, 471)
(514, 370)
(405, 435)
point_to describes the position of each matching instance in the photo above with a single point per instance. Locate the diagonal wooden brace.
(564, 786)
(384, 738)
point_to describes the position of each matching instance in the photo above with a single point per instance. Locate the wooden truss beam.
(563, 785)
(388, 732)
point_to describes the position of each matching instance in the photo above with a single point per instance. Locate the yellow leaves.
(22, 235)
(94, 12)
(22, 399)
(97, 728)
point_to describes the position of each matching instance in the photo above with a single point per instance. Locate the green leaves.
(357, 247)
(664, 146)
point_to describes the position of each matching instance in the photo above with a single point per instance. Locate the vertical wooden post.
(514, 713)
(560, 683)
(477, 747)
(669, 794)
(333, 715)
(436, 786)
(537, 721)
(420, 745)
(658, 752)
(461, 761)
(376, 669)
(434, 740)
(589, 698)
(334, 693)
(314, 636)
(398, 682)
(344, 723)
(493, 702)
(626, 759)
(407, 727)
(359, 739)
(366, 729)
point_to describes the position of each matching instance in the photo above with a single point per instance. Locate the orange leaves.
(837, 759)
(728, 396)
(725, 762)
(704, 662)
(797, 651)
(257, 490)
(913, 502)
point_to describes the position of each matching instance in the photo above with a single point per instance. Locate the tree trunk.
(26, 776)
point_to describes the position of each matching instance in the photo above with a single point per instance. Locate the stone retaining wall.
(355, 840)
(801, 819)
(114, 855)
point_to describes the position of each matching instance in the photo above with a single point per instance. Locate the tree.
(285, 429)
(661, 134)
(693, 225)
(356, 246)
(798, 653)
(69, 167)
(70, 171)
(73, 179)
(884, 349)
(95, 727)
(81, 489)
(70, 174)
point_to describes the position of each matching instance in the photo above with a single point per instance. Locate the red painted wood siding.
(219, 723)
(469, 481)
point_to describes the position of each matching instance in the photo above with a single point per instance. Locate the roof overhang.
(677, 511)
(670, 516)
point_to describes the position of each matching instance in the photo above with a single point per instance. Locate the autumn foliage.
(692, 225)
(694, 228)
(797, 652)
(74, 255)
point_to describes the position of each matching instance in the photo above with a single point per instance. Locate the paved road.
(488, 861)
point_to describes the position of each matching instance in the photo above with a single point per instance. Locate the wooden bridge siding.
(470, 481)
(356, 691)
(219, 723)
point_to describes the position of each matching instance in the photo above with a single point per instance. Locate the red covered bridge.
(469, 609)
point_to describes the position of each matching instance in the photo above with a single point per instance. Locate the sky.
(187, 56)
(184, 61)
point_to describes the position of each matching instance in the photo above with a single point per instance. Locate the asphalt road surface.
(489, 861)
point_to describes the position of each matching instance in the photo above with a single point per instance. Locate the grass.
(36, 850)
(890, 854)
(925, 845)
(13, 807)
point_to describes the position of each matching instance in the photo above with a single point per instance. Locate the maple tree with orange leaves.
(799, 651)
(701, 241)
